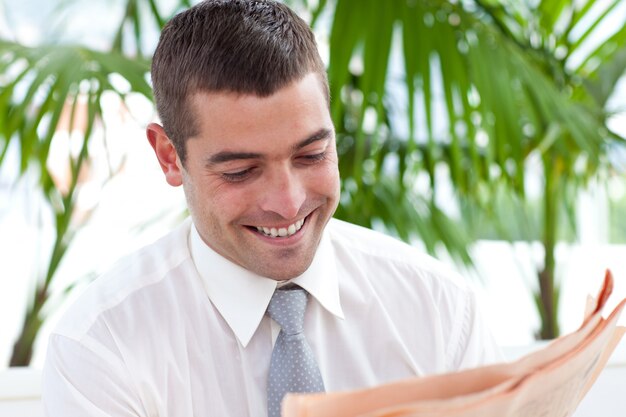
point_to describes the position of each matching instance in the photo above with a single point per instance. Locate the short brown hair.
(241, 46)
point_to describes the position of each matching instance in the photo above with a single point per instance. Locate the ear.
(165, 153)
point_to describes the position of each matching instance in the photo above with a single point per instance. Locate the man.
(180, 328)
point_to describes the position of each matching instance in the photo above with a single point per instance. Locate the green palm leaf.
(484, 86)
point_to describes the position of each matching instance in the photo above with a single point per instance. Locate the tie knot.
(287, 309)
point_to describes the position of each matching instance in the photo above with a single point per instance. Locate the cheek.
(327, 180)
(230, 203)
(323, 186)
(204, 201)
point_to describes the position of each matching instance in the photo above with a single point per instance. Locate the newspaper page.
(548, 382)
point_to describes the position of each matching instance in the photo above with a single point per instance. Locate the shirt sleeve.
(82, 378)
(475, 344)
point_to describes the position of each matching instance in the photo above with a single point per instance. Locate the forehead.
(226, 119)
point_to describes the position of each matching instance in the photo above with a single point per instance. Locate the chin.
(284, 274)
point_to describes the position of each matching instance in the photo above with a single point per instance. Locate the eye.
(238, 176)
(313, 158)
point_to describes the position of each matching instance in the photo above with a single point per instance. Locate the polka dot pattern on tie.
(293, 367)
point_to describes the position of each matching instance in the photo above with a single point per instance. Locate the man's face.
(261, 177)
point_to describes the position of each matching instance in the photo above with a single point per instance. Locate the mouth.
(280, 232)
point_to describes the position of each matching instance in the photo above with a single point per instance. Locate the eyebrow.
(226, 156)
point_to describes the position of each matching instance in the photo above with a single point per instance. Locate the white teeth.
(283, 231)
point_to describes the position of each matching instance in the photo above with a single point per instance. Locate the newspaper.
(549, 382)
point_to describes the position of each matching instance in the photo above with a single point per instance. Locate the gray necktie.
(293, 367)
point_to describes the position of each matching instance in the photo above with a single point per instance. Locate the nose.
(283, 193)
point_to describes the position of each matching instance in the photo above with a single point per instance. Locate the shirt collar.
(241, 296)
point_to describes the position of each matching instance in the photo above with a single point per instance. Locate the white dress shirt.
(177, 330)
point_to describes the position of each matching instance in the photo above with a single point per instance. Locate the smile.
(281, 231)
